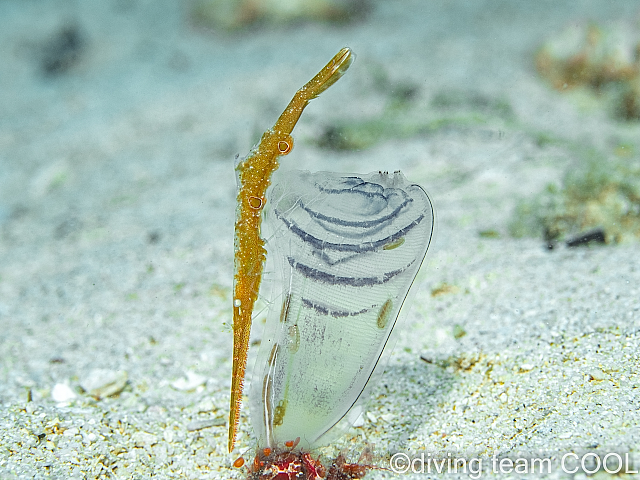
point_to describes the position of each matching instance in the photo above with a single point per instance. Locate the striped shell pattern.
(346, 249)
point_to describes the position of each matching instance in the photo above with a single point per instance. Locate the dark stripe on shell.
(322, 310)
(319, 275)
(347, 223)
(350, 247)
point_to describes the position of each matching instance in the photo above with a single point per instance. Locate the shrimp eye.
(285, 146)
(255, 202)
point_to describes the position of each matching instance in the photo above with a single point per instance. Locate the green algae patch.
(599, 64)
(232, 15)
(600, 193)
(406, 116)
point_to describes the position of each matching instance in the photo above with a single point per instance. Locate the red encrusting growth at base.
(287, 464)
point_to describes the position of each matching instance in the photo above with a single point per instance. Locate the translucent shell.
(346, 249)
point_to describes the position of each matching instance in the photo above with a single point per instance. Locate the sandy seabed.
(117, 202)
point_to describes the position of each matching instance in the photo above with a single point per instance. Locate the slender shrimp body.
(254, 177)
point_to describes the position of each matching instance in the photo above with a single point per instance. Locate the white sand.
(117, 198)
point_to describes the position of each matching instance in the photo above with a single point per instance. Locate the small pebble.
(205, 406)
(71, 432)
(200, 424)
(597, 374)
(359, 421)
(142, 439)
(387, 417)
(192, 382)
(62, 393)
(101, 383)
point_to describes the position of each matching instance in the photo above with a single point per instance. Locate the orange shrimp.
(254, 177)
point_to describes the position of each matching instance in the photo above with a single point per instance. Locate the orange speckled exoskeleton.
(253, 177)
